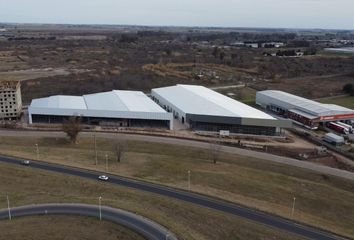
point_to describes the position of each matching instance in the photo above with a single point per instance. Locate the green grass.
(346, 101)
(64, 227)
(28, 186)
(323, 201)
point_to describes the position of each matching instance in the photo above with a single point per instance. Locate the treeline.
(30, 38)
(292, 53)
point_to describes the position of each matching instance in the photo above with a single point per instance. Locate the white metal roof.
(284, 99)
(131, 101)
(69, 102)
(200, 100)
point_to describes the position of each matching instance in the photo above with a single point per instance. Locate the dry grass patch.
(27, 186)
(322, 200)
(64, 227)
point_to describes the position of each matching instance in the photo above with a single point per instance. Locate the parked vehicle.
(349, 122)
(349, 127)
(333, 139)
(338, 128)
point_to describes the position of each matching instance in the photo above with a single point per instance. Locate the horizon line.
(174, 26)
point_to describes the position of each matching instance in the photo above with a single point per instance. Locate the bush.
(349, 89)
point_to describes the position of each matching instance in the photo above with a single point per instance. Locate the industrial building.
(205, 110)
(301, 110)
(115, 108)
(10, 99)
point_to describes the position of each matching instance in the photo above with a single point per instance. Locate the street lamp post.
(99, 207)
(189, 180)
(37, 151)
(8, 206)
(293, 208)
(106, 163)
(95, 145)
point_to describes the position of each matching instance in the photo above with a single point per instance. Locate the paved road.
(150, 230)
(197, 144)
(200, 200)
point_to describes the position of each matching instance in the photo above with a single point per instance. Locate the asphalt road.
(150, 230)
(200, 200)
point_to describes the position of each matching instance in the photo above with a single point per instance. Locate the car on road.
(25, 162)
(103, 177)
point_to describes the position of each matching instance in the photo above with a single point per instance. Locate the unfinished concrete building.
(10, 100)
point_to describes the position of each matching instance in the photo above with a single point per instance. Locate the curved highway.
(200, 200)
(150, 230)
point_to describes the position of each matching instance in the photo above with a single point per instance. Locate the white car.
(103, 177)
(25, 162)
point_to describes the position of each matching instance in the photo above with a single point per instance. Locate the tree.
(215, 149)
(119, 149)
(72, 127)
(221, 56)
(215, 52)
(348, 88)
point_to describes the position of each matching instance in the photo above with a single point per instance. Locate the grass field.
(189, 222)
(321, 200)
(246, 95)
(346, 101)
(63, 227)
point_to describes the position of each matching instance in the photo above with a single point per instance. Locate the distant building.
(251, 45)
(10, 99)
(272, 45)
(237, 44)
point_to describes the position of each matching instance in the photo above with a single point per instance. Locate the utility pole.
(95, 146)
(106, 163)
(37, 151)
(8, 206)
(167, 236)
(293, 208)
(99, 207)
(189, 180)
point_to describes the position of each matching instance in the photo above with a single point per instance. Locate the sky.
(327, 14)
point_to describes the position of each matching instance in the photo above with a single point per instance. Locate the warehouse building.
(301, 110)
(114, 108)
(205, 110)
(10, 99)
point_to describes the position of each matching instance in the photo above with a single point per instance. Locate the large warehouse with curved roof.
(114, 108)
(301, 110)
(201, 108)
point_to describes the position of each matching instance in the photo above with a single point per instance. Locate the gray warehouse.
(203, 109)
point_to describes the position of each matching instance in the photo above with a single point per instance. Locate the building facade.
(10, 99)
